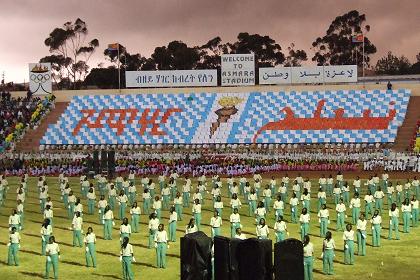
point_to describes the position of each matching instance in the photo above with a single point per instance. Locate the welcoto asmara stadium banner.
(258, 117)
(40, 78)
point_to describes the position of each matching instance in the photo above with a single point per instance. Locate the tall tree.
(210, 53)
(393, 65)
(129, 62)
(58, 65)
(295, 57)
(69, 42)
(415, 68)
(176, 56)
(336, 47)
(267, 51)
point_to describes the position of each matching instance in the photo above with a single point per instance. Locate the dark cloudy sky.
(141, 25)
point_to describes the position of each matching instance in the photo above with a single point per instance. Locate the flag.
(357, 38)
(113, 47)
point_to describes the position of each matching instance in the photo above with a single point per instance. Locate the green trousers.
(91, 206)
(328, 262)
(152, 234)
(54, 263)
(267, 203)
(304, 230)
(172, 231)
(121, 212)
(108, 229)
(340, 221)
(161, 255)
(414, 217)
(22, 216)
(390, 199)
(308, 265)
(126, 268)
(349, 252)
(233, 227)
(44, 243)
(252, 207)
(215, 232)
(379, 205)
(355, 213)
(12, 256)
(393, 226)
(101, 215)
(307, 205)
(197, 218)
(122, 235)
(135, 221)
(165, 203)
(77, 238)
(361, 243)
(111, 202)
(323, 227)
(90, 254)
(294, 214)
(376, 235)
(70, 210)
(280, 236)
(178, 210)
(368, 209)
(406, 221)
(337, 198)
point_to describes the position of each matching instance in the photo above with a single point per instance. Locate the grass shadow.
(106, 275)
(32, 274)
(107, 253)
(73, 263)
(143, 264)
(30, 252)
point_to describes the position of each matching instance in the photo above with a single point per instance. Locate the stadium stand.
(17, 114)
(341, 116)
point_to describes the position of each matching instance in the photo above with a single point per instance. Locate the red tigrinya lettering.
(118, 124)
(145, 121)
(85, 120)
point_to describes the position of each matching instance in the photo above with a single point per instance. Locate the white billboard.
(238, 69)
(308, 74)
(171, 78)
(275, 75)
(340, 74)
(40, 78)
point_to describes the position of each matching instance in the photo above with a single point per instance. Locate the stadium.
(236, 160)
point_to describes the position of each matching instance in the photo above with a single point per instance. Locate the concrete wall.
(67, 95)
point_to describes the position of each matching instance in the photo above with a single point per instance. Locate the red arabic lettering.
(366, 122)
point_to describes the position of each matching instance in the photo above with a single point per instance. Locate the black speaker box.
(225, 258)
(104, 160)
(196, 256)
(255, 261)
(288, 260)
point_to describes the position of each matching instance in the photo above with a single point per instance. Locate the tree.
(103, 77)
(210, 54)
(415, 68)
(68, 45)
(295, 57)
(393, 65)
(128, 62)
(58, 65)
(336, 47)
(267, 51)
(176, 56)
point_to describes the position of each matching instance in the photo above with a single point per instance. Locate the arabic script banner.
(308, 75)
(348, 116)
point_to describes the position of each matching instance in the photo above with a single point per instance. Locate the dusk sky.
(142, 25)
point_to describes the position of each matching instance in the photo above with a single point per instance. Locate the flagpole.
(363, 66)
(119, 72)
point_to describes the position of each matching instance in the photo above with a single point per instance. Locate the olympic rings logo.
(40, 78)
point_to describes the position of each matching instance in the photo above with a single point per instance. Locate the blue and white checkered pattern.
(262, 108)
(192, 125)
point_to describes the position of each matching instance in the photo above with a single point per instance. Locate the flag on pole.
(113, 47)
(357, 38)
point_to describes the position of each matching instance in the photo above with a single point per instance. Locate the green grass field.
(399, 258)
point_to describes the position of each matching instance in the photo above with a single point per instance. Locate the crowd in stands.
(415, 142)
(17, 114)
